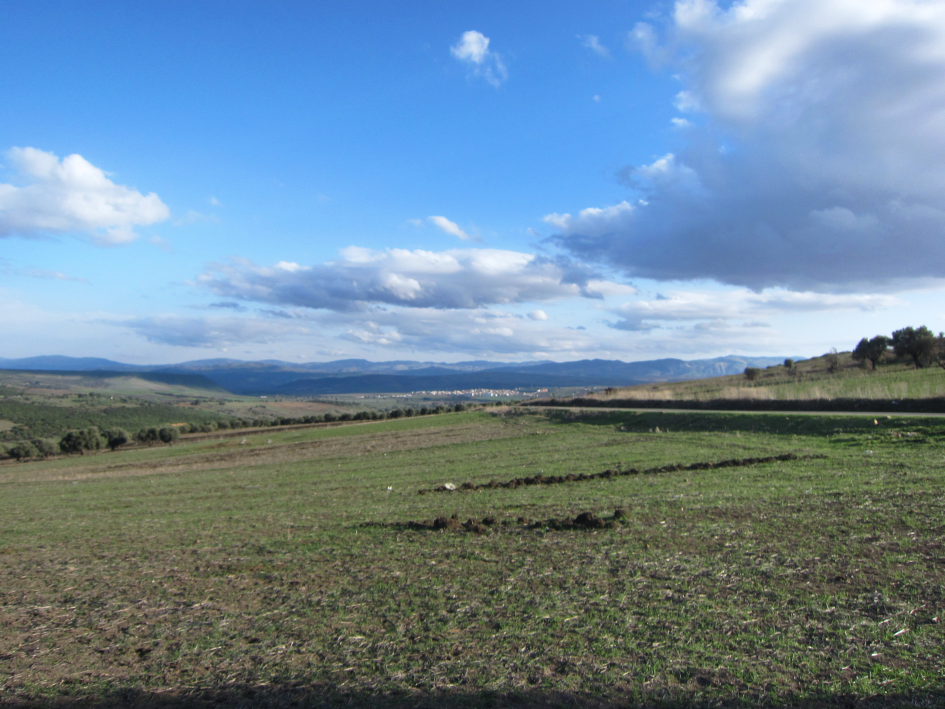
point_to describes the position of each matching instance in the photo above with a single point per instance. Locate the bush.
(87, 439)
(752, 373)
(45, 447)
(169, 434)
(23, 449)
(116, 437)
(148, 435)
(459, 407)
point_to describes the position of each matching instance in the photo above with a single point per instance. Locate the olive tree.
(169, 434)
(116, 437)
(86, 439)
(872, 351)
(916, 343)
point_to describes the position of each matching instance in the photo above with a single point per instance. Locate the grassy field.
(285, 570)
(805, 381)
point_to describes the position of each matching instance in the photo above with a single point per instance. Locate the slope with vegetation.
(905, 370)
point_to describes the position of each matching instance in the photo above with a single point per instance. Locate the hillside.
(809, 380)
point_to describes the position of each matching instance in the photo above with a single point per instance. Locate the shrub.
(23, 449)
(116, 437)
(752, 373)
(44, 447)
(169, 434)
(86, 439)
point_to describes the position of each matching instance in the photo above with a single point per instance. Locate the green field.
(285, 571)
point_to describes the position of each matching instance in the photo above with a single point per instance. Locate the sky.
(617, 179)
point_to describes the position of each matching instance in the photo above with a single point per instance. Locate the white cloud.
(538, 315)
(451, 228)
(72, 195)
(473, 50)
(592, 42)
(457, 278)
(821, 161)
(593, 220)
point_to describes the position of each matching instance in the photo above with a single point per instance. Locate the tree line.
(93, 438)
(918, 344)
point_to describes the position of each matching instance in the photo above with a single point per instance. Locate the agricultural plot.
(726, 559)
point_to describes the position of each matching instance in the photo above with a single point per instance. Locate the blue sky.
(422, 180)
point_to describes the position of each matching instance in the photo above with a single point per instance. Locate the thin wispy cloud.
(592, 42)
(719, 307)
(472, 49)
(49, 275)
(212, 332)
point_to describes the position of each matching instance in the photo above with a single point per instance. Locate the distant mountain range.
(359, 376)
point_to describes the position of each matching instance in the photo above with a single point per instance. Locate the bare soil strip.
(583, 521)
(542, 479)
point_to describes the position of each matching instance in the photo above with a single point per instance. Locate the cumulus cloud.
(212, 332)
(592, 42)
(472, 49)
(72, 195)
(716, 309)
(538, 315)
(457, 278)
(818, 161)
(451, 228)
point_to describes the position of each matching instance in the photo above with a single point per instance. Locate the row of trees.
(92, 438)
(919, 344)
